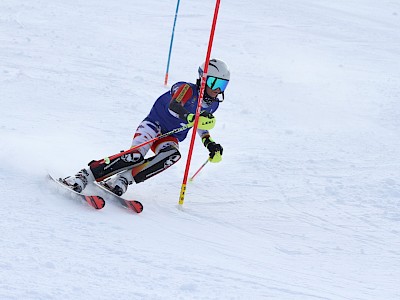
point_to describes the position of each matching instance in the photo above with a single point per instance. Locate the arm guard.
(179, 98)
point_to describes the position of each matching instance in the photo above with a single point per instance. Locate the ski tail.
(94, 201)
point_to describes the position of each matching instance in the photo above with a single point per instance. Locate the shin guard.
(104, 168)
(156, 164)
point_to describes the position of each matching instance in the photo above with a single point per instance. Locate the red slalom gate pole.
(198, 109)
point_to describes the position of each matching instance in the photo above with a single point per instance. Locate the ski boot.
(79, 181)
(118, 185)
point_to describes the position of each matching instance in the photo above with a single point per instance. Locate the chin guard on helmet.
(206, 98)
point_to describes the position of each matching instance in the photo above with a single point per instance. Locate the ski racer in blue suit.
(170, 111)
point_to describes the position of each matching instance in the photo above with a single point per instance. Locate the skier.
(171, 110)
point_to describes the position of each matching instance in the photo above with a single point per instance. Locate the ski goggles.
(215, 83)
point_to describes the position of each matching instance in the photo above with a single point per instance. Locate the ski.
(132, 205)
(96, 202)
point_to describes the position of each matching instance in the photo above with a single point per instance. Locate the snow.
(305, 203)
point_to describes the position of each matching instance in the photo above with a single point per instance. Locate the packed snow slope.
(305, 203)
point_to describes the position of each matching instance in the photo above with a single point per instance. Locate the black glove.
(214, 149)
(207, 114)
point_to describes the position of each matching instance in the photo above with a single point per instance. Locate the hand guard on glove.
(214, 149)
(206, 120)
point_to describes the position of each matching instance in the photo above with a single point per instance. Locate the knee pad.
(164, 143)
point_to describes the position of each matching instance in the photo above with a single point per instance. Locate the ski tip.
(135, 206)
(95, 201)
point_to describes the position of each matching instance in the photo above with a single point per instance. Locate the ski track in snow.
(304, 205)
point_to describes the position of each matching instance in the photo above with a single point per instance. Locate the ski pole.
(198, 171)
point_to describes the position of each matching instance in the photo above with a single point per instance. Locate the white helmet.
(216, 68)
(218, 76)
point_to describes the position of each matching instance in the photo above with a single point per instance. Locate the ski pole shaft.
(198, 171)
